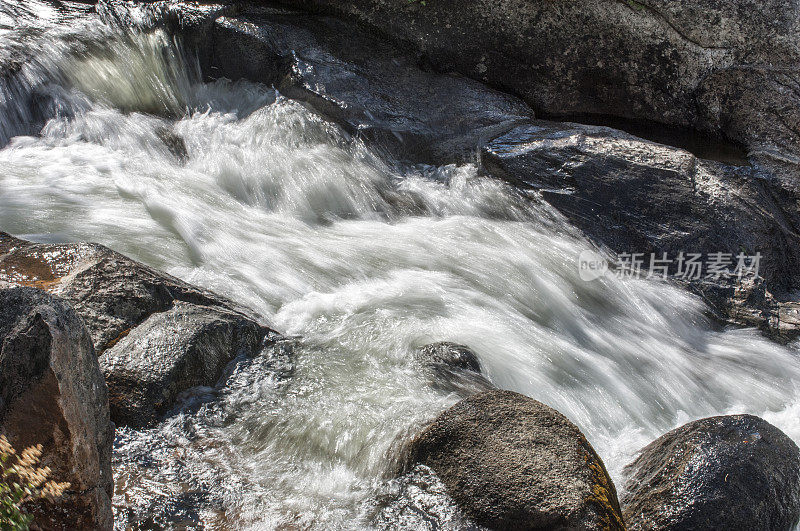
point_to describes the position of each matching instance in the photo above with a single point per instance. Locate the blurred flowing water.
(229, 185)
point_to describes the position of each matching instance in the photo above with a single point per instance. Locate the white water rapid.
(362, 260)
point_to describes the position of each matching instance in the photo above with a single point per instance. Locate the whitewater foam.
(364, 260)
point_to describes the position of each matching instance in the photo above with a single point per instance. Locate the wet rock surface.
(510, 462)
(53, 394)
(452, 368)
(111, 292)
(451, 356)
(636, 196)
(729, 472)
(375, 90)
(723, 67)
(156, 335)
(182, 511)
(172, 351)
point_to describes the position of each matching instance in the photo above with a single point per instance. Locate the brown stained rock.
(22, 263)
(111, 292)
(53, 393)
(510, 462)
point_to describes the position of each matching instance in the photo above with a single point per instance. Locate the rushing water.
(362, 260)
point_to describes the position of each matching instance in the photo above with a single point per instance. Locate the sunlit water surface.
(362, 261)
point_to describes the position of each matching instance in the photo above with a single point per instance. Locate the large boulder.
(164, 332)
(183, 347)
(728, 68)
(510, 462)
(730, 472)
(374, 90)
(637, 196)
(52, 393)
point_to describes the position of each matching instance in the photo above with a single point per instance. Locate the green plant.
(21, 480)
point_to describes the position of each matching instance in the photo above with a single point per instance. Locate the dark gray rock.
(149, 14)
(52, 393)
(174, 143)
(450, 355)
(452, 368)
(726, 67)
(510, 462)
(172, 351)
(376, 91)
(382, 93)
(730, 472)
(633, 195)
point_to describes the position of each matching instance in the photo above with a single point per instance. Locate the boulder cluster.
(503, 460)
(90, 340)
(507, 461)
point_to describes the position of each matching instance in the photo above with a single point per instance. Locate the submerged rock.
(510, 462)
(156, 335)
(174, 143)
(452, 368)
(637, 196)
(169, 511)
(419, 500)
(729, 472)
(450, 355)
(185, 346)
(52, 393)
